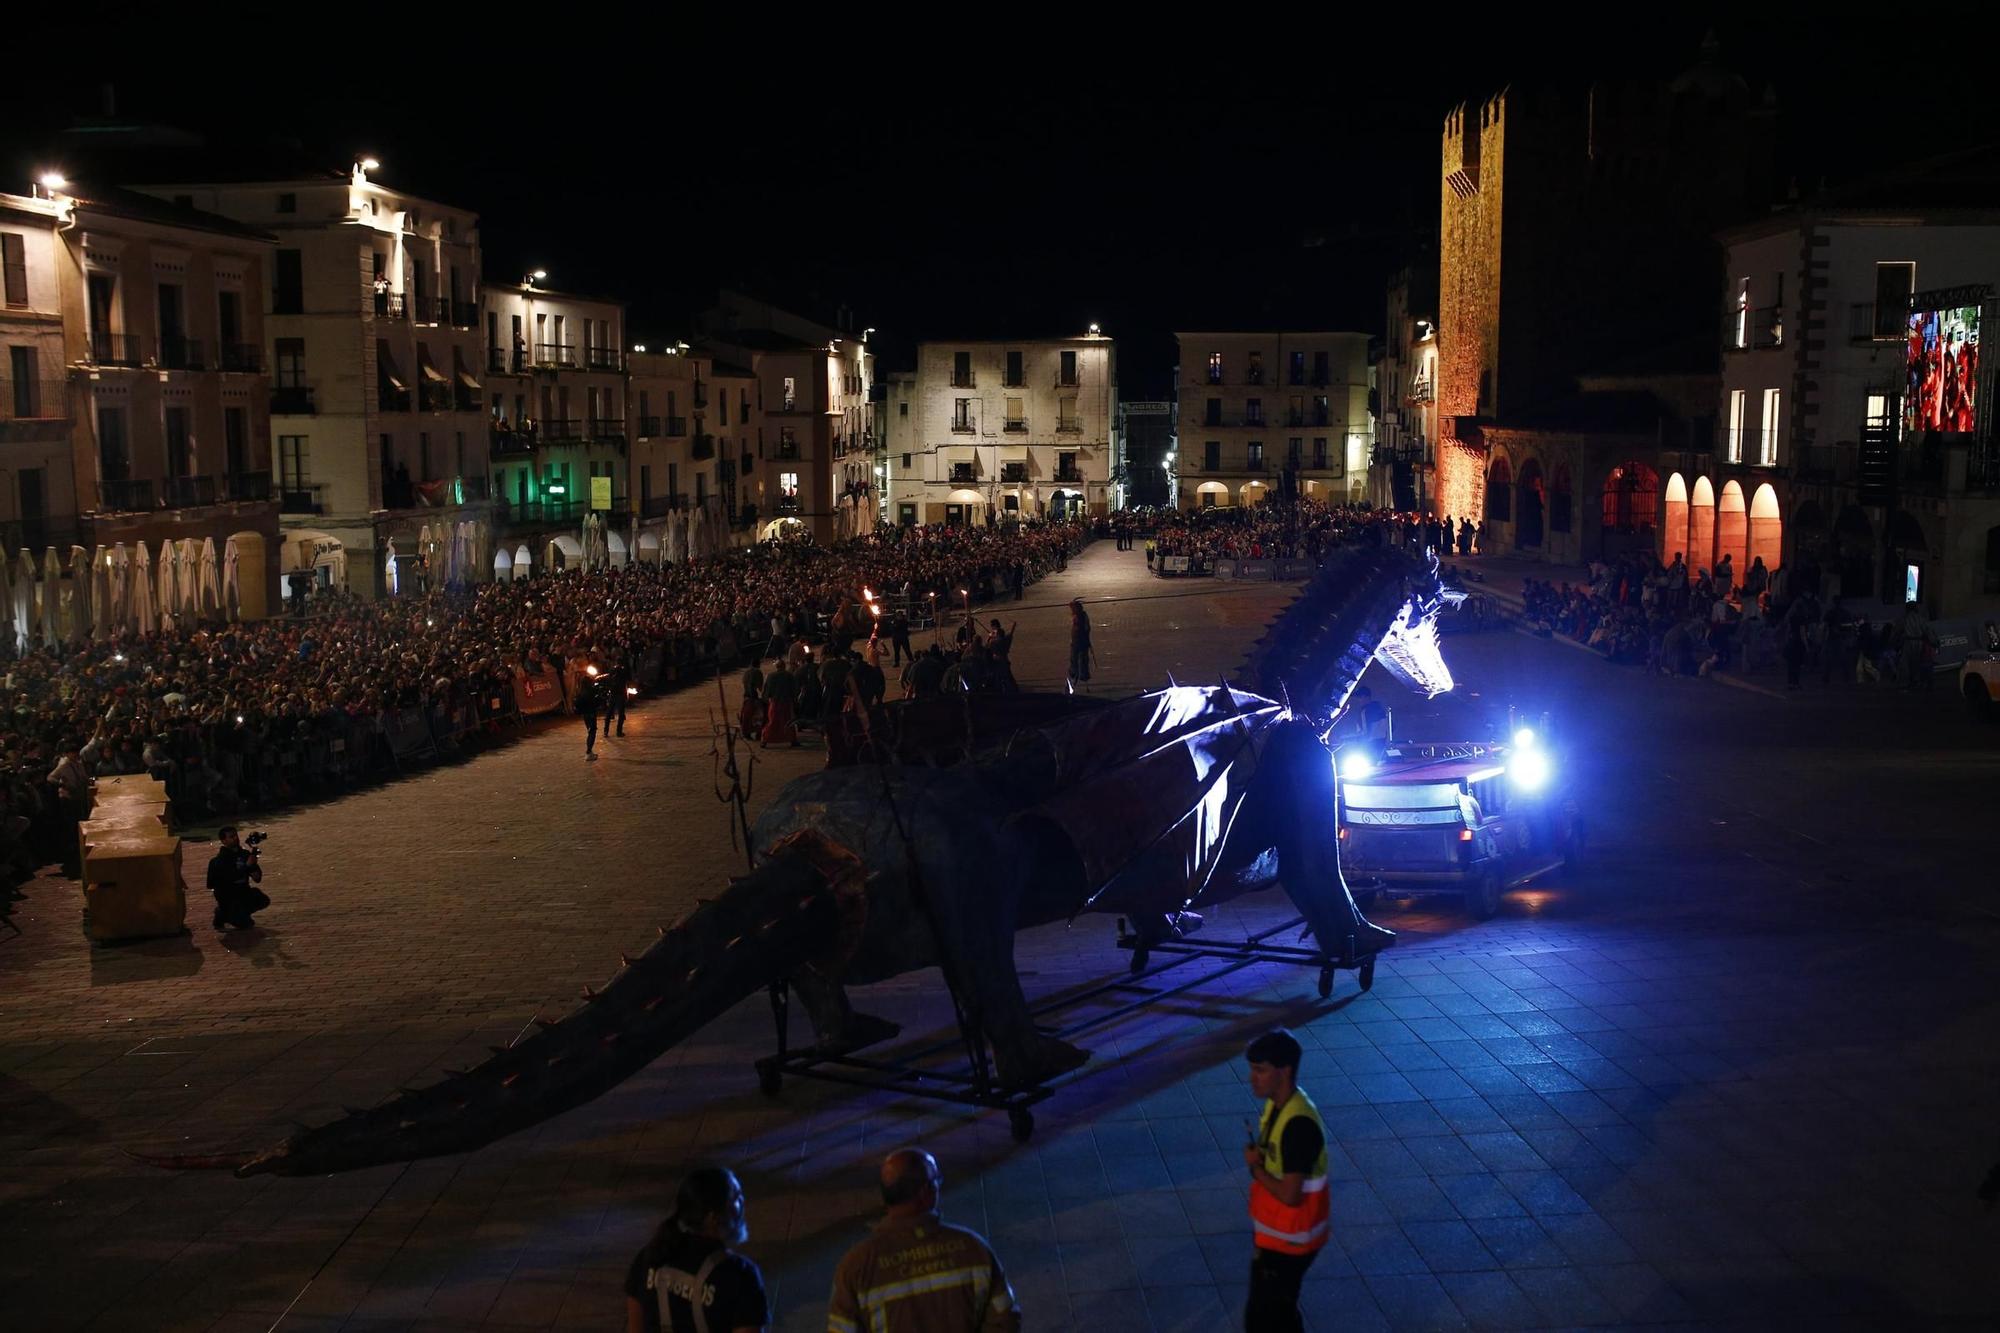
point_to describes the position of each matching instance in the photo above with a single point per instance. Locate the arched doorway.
(649, 548)
(503, 566)
(1674, 528)
(1562, 501)
(1629, 507)
(1499, 492)
(1854, 550)
(253, 574)
(1732, 531)
(1066, 504)
(1530, 505)
(1701, 526)
(962, 506)
(1253, 493)
(524, 561)
(1767, 529)
(1212, 494)
(615, 550)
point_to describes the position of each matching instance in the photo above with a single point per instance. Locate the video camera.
(255, 838)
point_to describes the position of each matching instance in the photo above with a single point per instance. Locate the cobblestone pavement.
(1739, 1070)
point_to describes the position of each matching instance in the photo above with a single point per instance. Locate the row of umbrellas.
(114, 589)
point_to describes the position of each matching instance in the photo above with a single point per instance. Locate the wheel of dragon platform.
(1021, 1123)
(1139, 956)
(769, 1080)
(1366, 975)
(1326, 981)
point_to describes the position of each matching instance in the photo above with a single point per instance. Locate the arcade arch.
(1701, 526)
(1674, 527)
(1767, 529)
(1530, 505)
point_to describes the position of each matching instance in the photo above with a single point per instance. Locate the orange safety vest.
(1298, 1228)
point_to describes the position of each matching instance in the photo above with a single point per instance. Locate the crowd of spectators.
(1665, 618)
(238, 717)
(1273, 531)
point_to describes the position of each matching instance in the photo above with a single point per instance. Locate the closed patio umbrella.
(211, 585)
(79, 594)
(100, 593)
(25, 626)
(168, 590)
(52, 589)
(121, 588)
(232, 595)
(142, 589)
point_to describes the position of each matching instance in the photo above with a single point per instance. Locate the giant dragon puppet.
(1148, 807)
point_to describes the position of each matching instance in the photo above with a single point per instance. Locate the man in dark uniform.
(687, 1279)
(230, 872)
(588, 701)
(615, 698)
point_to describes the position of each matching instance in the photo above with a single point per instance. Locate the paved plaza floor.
(1741, 1070)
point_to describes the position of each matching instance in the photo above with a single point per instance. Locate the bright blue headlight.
(1530, 770)
(1356, 764)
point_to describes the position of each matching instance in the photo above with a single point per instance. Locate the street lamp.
(531, 278)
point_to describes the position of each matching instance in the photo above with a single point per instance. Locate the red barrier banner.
(539, 693)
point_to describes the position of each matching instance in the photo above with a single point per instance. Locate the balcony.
(433, 309)
(677, 426)
(242, 358)
(553, 512)
(115, 349)
(1068, 474)
(787, 447)
(301, 498)
(563, 430)
(659, 506)
(475, 490)
(434, 397)
(502, 443)
(247, 487)
(1868, 322)
(464, 399)
(963, 381)
(1254, 465)
(389, 305)
(36, 411)
(388, 398)
(555, 356)
(603, 358)
(465, 314)
(499, 361)
(1015, 426)
(608, 428)
(181, 353)
(122, 497)
(962, 474)
(1422, 391)
(703, 448)
(1254, 375)
(701, 396)
(1214, 375)
(1074, 426)
(1067, 382)
(187, 492)
(1746, 330)
(649, 427)
(963, 425)
(1013, 472)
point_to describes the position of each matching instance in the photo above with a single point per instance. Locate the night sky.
(1176, 176)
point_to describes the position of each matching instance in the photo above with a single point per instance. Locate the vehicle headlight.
(1355, 765)
(1530, 770)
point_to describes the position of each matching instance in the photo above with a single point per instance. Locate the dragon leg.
(1309, 847)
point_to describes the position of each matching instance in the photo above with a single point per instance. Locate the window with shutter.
(14, 260)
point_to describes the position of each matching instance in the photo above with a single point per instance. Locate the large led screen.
(1943, 370)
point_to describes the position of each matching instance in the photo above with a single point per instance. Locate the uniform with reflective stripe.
(921, 1275)
(1298, 1228)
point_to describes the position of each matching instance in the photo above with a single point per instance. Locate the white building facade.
(1254, 404)
(1011, 430)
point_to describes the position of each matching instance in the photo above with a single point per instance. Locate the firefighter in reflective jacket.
(1288, 1201)
(917, 1273)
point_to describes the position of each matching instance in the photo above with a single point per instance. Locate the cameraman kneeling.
(230, 873)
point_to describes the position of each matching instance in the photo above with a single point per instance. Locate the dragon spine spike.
(666, 994)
